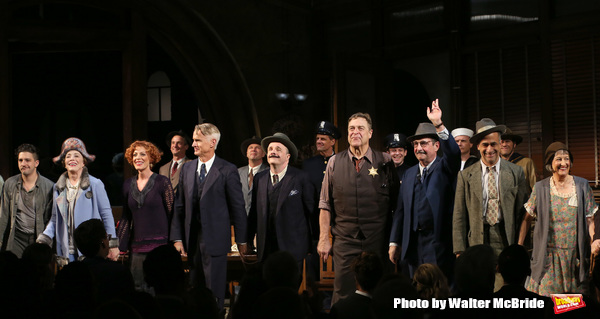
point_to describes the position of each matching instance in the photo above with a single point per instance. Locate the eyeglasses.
(422, 143)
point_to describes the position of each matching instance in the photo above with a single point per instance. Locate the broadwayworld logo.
(567, 302)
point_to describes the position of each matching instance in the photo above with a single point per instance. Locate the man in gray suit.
(488, 205)
(178, 143)
(253, 151)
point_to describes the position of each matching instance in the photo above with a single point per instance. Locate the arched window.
(159, 97)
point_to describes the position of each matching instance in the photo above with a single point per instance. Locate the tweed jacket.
(468, 204)
(165, 170)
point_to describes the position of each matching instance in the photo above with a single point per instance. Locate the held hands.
(435, 113)
(113, 254)
(179, 247)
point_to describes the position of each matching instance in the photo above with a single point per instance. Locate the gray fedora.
(283, 139)
(424, 130)
(484, 127)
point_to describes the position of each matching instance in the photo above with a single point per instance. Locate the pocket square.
(293, 192)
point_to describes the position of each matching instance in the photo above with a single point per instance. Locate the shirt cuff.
(444, 134)
(393, 245)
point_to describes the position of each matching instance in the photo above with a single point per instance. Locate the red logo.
(567, 302)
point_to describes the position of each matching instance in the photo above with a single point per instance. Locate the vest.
(361, 201)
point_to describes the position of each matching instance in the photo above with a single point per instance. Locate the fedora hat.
(484, 127)
(248, 142)
(73, 143)
(181, 133)
(283, 139)
(424, 130)
(509, 135)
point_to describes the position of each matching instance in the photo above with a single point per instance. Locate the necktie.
(174, 169)
(275, 179)
(250, 178)
(202, 173)
(423, 174)
(492, 215)
(357, 163)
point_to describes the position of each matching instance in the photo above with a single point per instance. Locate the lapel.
(474, 180)
(244, 180)
(190, 178)
(286, 187)
(62, 204)
(506, 183)
(212, 176)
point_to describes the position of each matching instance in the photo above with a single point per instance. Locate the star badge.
(373, 171)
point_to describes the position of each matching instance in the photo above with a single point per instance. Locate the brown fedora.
(424, 130)
(248, 142)
(509, 135)
(552, 149)
(484, 127)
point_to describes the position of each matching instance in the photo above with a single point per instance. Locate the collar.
(84, 181)
(484, 167)
(368, 154)
(208, 164)
(428, 166)
(254, 169)
(281, 174)
(363, 293)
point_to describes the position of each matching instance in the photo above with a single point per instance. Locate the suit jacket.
(439, 185)
(294, 208)
(468, 204)
(221, 204)
(354, 306)
(243, 171)
(165, 170)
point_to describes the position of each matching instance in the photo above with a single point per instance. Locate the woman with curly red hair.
(147, 208)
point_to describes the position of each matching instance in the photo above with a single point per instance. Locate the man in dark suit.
(282, 203)
(254, 153)
(178, 143)
(422, 224)
(397, 147)
(209, 200)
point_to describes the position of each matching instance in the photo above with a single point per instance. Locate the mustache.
(273, 156)
(421, 152)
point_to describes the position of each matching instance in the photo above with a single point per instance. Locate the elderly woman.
(77, 197)
(564, 207)
(148, 205)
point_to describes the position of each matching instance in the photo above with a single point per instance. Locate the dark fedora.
(283, 139)
(509, 135)
(424, 130)
(484, 127)
(181, 133)
(396, 140)
(248, 142)
(329, 129)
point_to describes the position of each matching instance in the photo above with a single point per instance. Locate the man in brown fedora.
(282, 203)
(357, 200)
(422, 225)
(488, 206)
(507, 151)
(254, 153)
(178, 142)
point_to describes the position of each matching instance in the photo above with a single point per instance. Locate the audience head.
(513, 264)
(163, 270)
(91, 238)
(430, 282)
(368, 269)
(475, 270)
(280, 302)
(281, 270)
(391, 287)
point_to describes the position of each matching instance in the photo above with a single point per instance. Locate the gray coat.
(8, 207)
(246, 191)
(467, 229)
